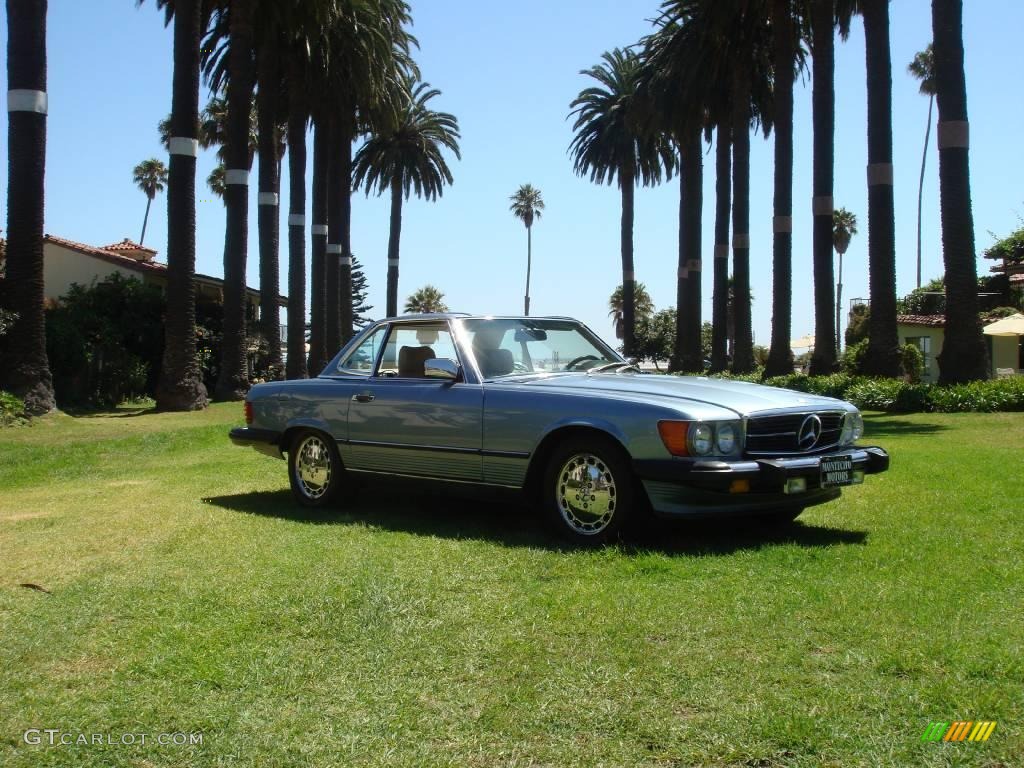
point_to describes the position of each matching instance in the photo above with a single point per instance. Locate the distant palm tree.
(426, 299)
(642, 305)
(150, 176)
(844, 227)
(215, 181)
(610, 146)
(404, 158)
(963, 357)
(25, 370)
(527, 205)
(923, 68)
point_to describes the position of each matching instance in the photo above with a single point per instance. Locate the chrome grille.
(777, 433)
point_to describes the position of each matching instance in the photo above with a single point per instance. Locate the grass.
(187, 593)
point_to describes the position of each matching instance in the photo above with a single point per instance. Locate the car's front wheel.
(588, 490)
(314, 469)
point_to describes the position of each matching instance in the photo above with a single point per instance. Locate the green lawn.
(188, 594)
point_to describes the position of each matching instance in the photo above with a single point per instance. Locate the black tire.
(602, 466)
(314, 469)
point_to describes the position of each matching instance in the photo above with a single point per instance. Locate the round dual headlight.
(726, 438)
(853, 428)
(702, 439)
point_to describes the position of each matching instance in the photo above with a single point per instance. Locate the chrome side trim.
(441, 448)
(432, 477)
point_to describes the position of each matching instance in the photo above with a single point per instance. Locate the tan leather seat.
(411, 361)
(494, 362)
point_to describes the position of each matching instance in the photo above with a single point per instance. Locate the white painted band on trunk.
(782, 225)
(24, 100)
(954, 134)
(628, 276)
(721, 250)
(268, 198)
(392, 262)
(183, 145)
(345, 261)
(296, 219)
(334, 248)
(740, 241)
(880, 174)
(319, 229)
(822, 205)
(693, 265)
(238, 176)
(682, 273)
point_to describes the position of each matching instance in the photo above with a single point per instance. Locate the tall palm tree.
(25, 370)
(844, 227)
(643, 307)
(527, 205)
(822, 33)
(150, 176)
(404, 158)
(215, 181)
(720, 314)
(611, 146)
(426, 299)
(318, 245)
(963, 356)
(923, 68)
(181, 382)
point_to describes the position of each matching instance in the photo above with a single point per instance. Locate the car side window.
(360, 360)
(410, 345)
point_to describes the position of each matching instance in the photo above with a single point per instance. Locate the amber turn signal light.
(673, 435)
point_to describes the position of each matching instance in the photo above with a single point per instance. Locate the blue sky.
(508, 71)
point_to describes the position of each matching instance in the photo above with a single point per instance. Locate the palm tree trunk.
(883, 356)
(723, 200)
(297, 119)
(394, 242)
(181, 387)
(345, 225)
(839, 302)
(268, 216)
(743, 356)
(529, 263)
(823, 361)
(25, 370)
(233, 381)
(688, 354)
(920, 183)
(145, 220)
(332, 259)
(318, 257)
(626, 181)
(780, 357)
(963, 357)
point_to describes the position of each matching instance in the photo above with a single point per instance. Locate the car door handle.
(363, 397)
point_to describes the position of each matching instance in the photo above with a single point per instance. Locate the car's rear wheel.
(588, 490)
(314, 469)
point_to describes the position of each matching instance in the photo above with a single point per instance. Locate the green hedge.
(12, 409)
(902, 396)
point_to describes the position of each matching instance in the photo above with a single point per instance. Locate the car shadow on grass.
(510, 523)
(887, 425)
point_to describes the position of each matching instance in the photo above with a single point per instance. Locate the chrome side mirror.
(441, 368)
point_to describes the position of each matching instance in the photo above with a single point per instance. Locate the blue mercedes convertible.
(542, 406)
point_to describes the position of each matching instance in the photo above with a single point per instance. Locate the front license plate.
(836, 470)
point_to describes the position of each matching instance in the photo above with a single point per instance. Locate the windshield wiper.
(616, 366)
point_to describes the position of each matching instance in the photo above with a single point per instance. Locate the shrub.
(852, 361)
(993, 395)
(888, 395)
(12, 409)
(912, 361)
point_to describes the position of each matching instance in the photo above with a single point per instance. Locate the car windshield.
(509, 347)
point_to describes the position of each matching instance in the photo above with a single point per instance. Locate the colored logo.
(959, 730)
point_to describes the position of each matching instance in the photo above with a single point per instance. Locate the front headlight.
(726, 438)
(702, 439)
(853, 428)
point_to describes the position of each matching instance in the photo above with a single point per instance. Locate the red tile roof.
(932, 321)
(127, 245)
(149, 267)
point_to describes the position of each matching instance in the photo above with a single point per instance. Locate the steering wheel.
(582, 358)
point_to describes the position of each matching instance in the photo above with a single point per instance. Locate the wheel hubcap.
(313, 467)
(586, 493)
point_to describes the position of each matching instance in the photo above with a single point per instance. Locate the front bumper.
(266, 441)
(694, 487)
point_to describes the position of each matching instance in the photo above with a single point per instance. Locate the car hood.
(743, 398)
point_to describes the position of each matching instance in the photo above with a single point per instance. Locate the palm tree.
(150, 176)
(215, 181)
(25, 370)
(427, 299)
(723, 208)
(611, 147)
(822, 32)
(527, 205)
(643, 307)
(844, 227)
(318, 245)
(963, 356)
(923, 68)
(407, 157)
(181, 383)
